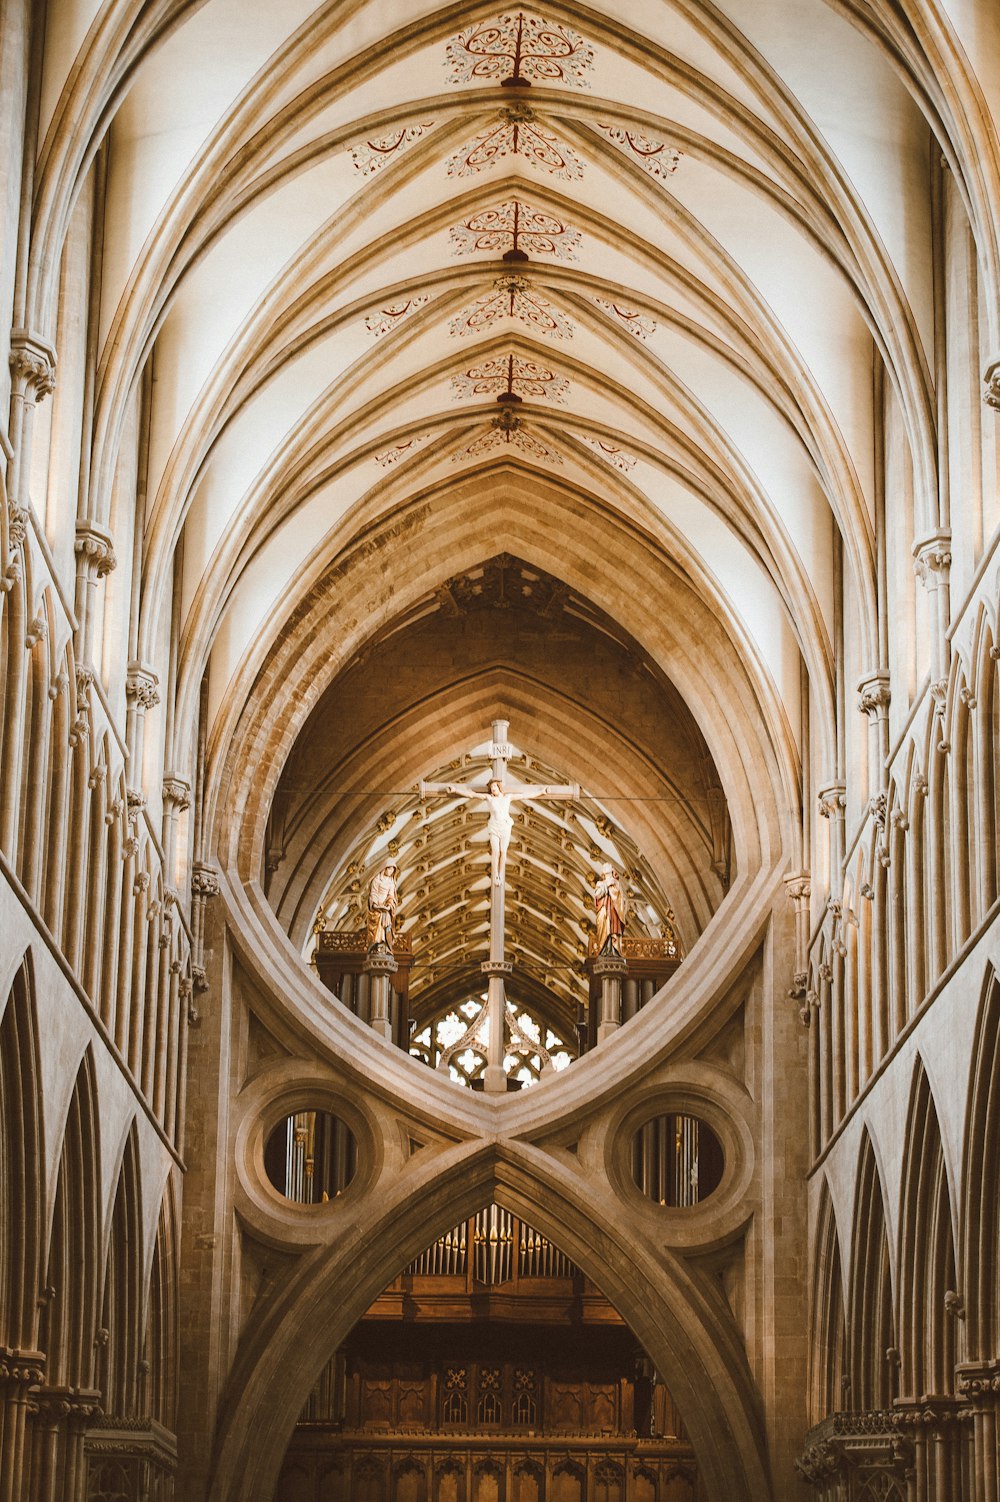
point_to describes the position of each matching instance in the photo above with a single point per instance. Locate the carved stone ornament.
(832, 801)
(204, 880)
(36, 632)
(991, 385)
(932, 558)
(94, 549)
(874, 695)
(799, 888)
(177, 793)
(32, 366)
(142, 687)
(136, 802)
(17, 525)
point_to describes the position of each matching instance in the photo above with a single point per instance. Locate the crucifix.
(498, 795)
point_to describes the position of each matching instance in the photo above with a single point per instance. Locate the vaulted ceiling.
(626, 279)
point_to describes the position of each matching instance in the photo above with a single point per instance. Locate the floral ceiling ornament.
(508, 429)
(659, 159)
(518, 50)
(517, 133)
(512, 297)
(372, 155)
(611, 453)
(514, 229)
(510, 378)
(381, 320)
(637, 323)
(391, 456)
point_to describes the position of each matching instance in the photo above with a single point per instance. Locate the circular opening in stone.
(677, 1161)
(311, 1157)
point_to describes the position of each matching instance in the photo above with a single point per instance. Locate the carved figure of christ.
(498, 796)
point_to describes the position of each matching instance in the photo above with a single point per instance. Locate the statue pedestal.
(610, 970)
(379, 966)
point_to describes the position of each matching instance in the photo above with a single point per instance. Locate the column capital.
(932, 558)
(176, 792)
(204, 880)
(874, 695)
(32, 365)
(798, 886)
(94, 548)
(832, 800)
(991, 385)
(142, 686)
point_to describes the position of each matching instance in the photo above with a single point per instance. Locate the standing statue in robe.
(611, 905)
(382, 904)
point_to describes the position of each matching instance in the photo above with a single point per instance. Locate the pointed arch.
(828, 1343)
(981, 1236)
(22, 1163)
(121, 1303)
(926, 1254)
(69, 1318)
(160, 1347)
(871, 1317)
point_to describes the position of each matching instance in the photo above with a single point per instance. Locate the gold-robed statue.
(382, 904)
(611, 905)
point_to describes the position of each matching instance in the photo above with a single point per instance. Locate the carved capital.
(94, 549)
(799, 888)
(832, 801)
(991, 385)
(932, 559)
(17, 525)
(84, 684)
(142, 687)
(141, 883)
(32, 366)
(36, 632)
(176, 793)
(204, 880)
(874, 695)
(877, 807)
(135, 802)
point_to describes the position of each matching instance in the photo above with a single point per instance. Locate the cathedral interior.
(499, 778)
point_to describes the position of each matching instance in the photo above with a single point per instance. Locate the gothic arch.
(926, 1254)
(22, 1164)
(871, 1321)
(711, 1382)
(829, 1329)
(69, 1319)
(121, 1299)
(981, 1231)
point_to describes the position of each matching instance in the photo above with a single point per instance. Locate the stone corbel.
(832, 801)
(94, 550)
(176, 793)
(932, 559)
(991, 385)
(142, 687)
(204, 880)
(32, 366)
(874, 695)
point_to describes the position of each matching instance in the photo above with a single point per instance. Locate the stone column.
(932, 565)
(379, 967)
(95, 559)
(176, 800)
(832, 806)
(979, 1387)
(20, 1374)
(873, 700)
(142, 693)
(610, 970)
(630, 998)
